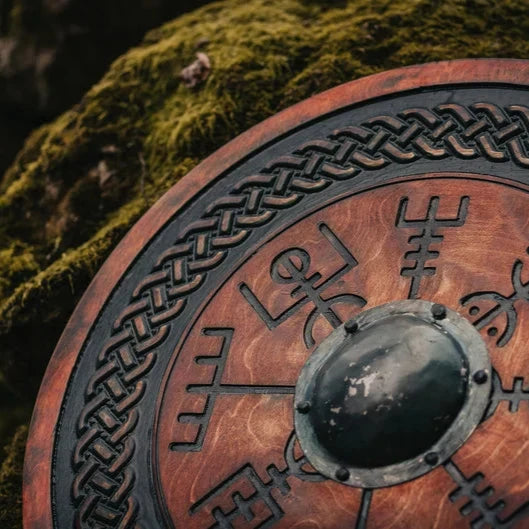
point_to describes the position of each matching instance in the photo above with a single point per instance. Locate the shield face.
(331, 332)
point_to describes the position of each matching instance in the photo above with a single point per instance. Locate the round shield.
(324, 325)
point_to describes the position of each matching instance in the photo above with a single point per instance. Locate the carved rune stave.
(476, 502)
(517, 394)
(263, 492)
(216, 388)
(428, 234)
(103, 482)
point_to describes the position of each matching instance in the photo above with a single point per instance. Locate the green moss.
(17, 264)
(11, 480)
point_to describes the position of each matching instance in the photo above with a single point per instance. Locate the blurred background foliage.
(52, 51)
(88, 147)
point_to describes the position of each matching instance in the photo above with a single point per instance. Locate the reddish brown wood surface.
(365, 223)
(39, 454)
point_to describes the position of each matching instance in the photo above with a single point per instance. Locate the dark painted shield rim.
(37, 511)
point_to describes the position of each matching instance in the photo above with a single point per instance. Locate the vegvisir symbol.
(502, 305)
(427, 236)
(292, 266)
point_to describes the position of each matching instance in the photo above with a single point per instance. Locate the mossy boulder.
(80, 182)
(11, 480)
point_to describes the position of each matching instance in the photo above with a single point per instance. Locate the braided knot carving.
(103, 486)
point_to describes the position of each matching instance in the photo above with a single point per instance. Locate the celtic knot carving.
(103, 487)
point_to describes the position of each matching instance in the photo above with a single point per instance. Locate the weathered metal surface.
(392, 393)
(169, 401)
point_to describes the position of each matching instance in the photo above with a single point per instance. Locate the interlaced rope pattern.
(103, 485)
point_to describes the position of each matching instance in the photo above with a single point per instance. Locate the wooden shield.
(172, 397)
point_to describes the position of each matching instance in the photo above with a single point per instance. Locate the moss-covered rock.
(80, 182)
(11, 480)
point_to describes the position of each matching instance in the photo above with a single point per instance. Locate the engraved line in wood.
(263, 493)
(216, 388)
(427, 235)
(502, 305)
(481, 129)
(292, 266)
(513, 396)
(482, 514)
(365, 504)
(242, 507)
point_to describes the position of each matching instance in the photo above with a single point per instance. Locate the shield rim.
(38, 462)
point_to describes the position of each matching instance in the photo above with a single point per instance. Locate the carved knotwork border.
(103, 485)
